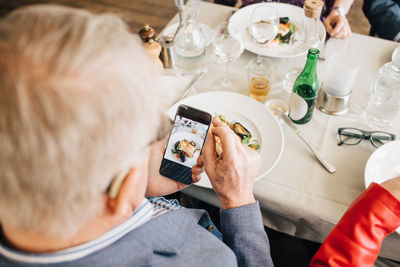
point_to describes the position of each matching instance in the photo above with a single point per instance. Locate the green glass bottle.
(305, 90)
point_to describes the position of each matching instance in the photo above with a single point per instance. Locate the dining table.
(298, 196)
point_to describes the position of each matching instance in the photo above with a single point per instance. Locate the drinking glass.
(301, 40)
(260, 79)
(227, 46)
(294, 65)
(341, 74)
(263, 27)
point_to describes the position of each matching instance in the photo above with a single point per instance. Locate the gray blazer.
(177, 239)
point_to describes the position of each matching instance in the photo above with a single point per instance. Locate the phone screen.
(185, 144)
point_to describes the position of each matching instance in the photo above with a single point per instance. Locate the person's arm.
(357, 238)
(345, 4)
(232, 176)
(336, 24)
(243, 231)
(384, 17)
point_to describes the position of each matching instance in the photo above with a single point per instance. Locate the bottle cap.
(313, 8)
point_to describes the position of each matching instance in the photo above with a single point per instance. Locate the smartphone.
(185, 143)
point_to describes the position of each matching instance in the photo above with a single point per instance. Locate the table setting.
(303, 188)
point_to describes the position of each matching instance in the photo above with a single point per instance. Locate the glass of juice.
(259, 77)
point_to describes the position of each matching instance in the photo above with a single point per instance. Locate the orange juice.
(259, 88)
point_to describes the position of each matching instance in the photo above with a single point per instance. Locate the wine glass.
(293, 64)
(305, 37)
(264, 26)
(227, 46)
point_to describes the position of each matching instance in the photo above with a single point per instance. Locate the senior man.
(77, 119)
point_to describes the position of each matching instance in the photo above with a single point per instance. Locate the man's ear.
(123, 197)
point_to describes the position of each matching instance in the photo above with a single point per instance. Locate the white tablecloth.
(299, 197)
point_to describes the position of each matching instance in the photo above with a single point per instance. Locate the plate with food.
(290, 20)
(245, 136)
(254, 125)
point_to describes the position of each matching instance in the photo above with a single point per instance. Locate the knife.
(322, 159)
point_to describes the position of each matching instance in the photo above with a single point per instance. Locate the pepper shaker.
(153, 48)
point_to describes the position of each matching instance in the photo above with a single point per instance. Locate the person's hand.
(337, 26)
(159, 185)
(393, 186)
(232, 175)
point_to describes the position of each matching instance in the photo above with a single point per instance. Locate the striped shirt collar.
(139, 217)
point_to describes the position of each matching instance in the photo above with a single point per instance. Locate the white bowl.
(383, 164)
(277, 104)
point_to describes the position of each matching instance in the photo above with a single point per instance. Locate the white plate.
(295, 14)
(207, 32)
(252, 114)
(383, 164)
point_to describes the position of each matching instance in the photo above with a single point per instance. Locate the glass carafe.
(312, 13)
(189, 42)
(384, 103)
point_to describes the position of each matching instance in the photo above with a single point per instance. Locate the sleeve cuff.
(244, 216)
(376, 211)
(377, 192)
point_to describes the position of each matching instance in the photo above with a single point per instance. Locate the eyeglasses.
(353, 136)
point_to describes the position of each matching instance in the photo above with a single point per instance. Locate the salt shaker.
(167, 51)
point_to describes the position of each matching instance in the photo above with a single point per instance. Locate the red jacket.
(357, 238)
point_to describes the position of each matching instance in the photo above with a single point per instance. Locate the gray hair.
(76, 108)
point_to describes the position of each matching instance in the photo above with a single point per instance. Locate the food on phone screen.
(185, 143)
(185, 148)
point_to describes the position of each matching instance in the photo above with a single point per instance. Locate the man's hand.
(337, 26)
(233, 174)
(159, 185)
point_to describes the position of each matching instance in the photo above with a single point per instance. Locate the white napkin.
(172, 87)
